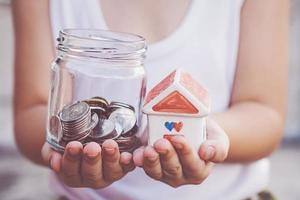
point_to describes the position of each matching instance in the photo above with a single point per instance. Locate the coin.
(131, 132)
(97, 102)
(98, 105)
(125, 117)
(55, 126)
(74, 111)
(120, 105)
(108, 130)
(128, 144)
(101, 99)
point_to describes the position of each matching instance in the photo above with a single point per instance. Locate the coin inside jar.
(108, 130)
(121, 105)
(55, 126)
(97, 102)
(125, 117)
(74, 111)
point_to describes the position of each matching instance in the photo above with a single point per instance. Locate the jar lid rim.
(74, 32)
(97, 43)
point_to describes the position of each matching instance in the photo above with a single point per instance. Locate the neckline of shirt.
(180, 35)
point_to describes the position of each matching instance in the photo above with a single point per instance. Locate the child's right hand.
(89, 166)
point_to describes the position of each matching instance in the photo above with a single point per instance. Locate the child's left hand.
(176, 163)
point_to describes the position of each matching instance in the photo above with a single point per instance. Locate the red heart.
(178, 126)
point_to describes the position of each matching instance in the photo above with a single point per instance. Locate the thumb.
(216, 147)
(51, 158)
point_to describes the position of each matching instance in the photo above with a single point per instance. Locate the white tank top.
(206, 45)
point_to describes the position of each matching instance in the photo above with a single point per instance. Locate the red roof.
(187, 81)
(161, 86)
(184, 95)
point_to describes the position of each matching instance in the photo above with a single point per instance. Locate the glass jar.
(98, 84)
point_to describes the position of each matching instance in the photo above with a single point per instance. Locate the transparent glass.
(98, 84)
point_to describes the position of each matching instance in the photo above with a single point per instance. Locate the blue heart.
(169, 125)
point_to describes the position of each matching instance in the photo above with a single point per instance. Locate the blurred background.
(19, 179)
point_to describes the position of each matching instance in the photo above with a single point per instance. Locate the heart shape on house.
(169, 125)
(178, 104)
(176, 125)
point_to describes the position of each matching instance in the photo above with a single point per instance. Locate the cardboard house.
(177, 105)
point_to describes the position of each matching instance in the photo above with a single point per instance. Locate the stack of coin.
(96, 120)
(77, 122)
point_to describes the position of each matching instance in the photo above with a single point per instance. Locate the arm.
(33, 55)
(91, 166)
(254, 120)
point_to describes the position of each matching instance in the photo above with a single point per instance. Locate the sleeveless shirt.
(205, 44)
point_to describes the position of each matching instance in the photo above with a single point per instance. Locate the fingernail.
(161, 146)
(177, 141)
(162, 150)
(210, 151)
(126, 162)
(110, 151)
(151, 158)
(72, 152)
(92, 155)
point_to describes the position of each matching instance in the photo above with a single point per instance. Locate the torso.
(203, 39)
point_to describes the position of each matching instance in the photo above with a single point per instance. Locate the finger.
(169, 160)
(192, 165)
(71, 164)
(138, 156)
(51, 158)
(151, 163)
(126, 161)
(56, 160)
(91, 167)
(112, 169)
(215, 148)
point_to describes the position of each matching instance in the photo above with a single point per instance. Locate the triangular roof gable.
(175, 84)
(175, 103)
(161, 86)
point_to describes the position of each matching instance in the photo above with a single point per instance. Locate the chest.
(155, 20)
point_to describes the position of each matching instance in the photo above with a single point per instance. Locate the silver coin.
(116, 104)
(105, 129)
(74, 111)
(128, 144)
(97, 102)
(101, 112)
(125, 117)
(119, 129)
(55, 125)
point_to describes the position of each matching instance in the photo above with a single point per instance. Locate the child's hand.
(176, 163)
(91, 166)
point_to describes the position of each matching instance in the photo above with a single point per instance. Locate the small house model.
(178, 105)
